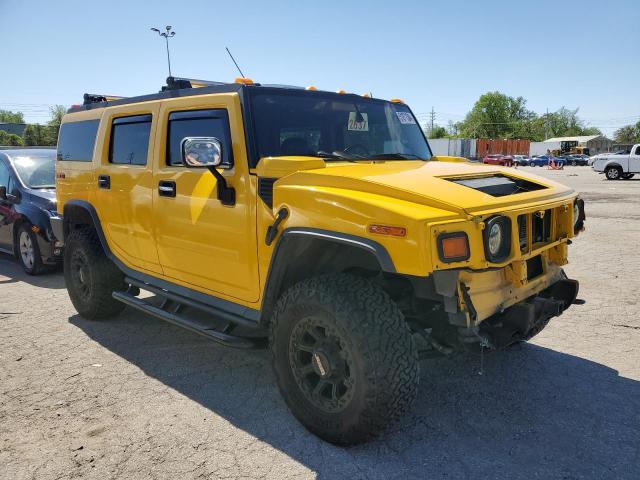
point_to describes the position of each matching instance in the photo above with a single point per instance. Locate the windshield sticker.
(358, 126)
(405, 118)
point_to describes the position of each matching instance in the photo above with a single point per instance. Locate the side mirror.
(3, 192)
(199, 152)
(206, 152)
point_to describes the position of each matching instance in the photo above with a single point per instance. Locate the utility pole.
(433, 117)
(546, 125)
(167, 35)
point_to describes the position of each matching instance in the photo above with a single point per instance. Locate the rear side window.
(198, 123)
(76, 141)
(130, 140)
(638, 150)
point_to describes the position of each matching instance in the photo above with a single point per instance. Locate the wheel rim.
(80, 275)
(613, 173)
(322, 365)
(26, 250)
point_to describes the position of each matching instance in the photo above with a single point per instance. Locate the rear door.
(124, 197)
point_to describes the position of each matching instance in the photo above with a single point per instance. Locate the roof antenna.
(236, 63)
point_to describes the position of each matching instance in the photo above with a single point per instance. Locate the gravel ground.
(137, 398)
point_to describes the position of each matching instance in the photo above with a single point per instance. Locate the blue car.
(543, 161)
(27, 204)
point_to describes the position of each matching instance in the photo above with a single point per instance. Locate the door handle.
(104, 181)
(167, 188)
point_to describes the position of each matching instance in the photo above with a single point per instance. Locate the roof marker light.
(396, 100)
(243, 81)
(341, 92)
(366, 95)
(311, 87)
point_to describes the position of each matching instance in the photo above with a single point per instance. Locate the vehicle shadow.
(12, 272)
(533, 412)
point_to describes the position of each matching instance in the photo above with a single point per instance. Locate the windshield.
(344, 127)
(36, 171)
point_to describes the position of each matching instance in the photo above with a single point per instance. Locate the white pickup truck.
(616, 166)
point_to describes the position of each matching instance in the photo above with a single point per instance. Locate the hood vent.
(498, 185)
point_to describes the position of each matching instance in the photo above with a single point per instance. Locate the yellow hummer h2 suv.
(318, 223)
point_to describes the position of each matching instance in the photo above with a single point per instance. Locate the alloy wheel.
(26, 250)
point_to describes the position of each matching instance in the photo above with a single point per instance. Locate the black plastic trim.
(225, 306)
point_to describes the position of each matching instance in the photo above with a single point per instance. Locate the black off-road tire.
(91, 277)
(375, 337)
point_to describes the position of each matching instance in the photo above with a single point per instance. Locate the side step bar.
(184, 322)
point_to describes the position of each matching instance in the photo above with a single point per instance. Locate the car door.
(203, 244)
(125, 184)
(634, 160)
(6, 210)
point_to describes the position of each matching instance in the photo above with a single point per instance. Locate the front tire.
(91, 277)
(28, 250)
(344, 357)
(613, 173)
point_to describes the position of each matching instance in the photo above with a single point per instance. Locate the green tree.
(437, 132)
(11, 117)
(496, 115)
(57, 112)
(36, 135)
(10, 139)
(628, 134)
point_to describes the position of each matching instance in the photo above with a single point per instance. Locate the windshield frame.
(250, 121)
(12, 161)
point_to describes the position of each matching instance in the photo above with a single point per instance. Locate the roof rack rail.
(176, 83)
(90, 98)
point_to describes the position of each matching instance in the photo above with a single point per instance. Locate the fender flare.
(290, 236)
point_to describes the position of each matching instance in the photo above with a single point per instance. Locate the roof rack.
(90, 98)
(176, 83)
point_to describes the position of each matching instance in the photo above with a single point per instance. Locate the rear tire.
(613, 173)
(344, 357)
(91, 277)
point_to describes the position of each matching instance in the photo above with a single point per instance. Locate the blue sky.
(443, 54)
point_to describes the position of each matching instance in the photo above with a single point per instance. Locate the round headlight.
(495, 239)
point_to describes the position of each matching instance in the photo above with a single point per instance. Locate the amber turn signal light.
(388, 230)
(453, 247)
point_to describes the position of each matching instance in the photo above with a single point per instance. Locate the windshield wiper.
(42, 187)
(395, 156)
(334, 155)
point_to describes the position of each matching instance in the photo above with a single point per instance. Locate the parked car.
(27, 204)
(543, 161)
(498, 159)
(619, 166)
(573, 160)
(521, 160)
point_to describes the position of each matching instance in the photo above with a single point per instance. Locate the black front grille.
(522, 232)
(541, 228)
(265, 190)
(534, 267)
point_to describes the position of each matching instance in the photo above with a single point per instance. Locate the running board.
(174, 318)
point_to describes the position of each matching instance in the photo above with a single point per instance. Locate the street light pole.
(167, 35)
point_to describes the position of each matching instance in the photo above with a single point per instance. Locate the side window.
(76, 141)
(130, 140)
(638, 150)
(4, 176)
(198, 123)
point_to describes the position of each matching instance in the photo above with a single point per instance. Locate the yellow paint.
(194, 241)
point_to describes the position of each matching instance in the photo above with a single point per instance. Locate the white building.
(595, 143)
